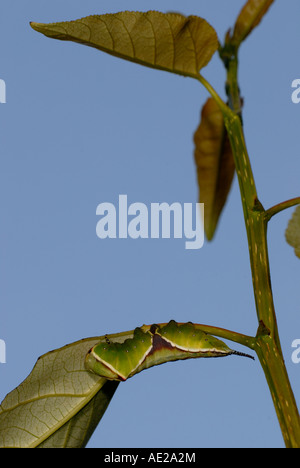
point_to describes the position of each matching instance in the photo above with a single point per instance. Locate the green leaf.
(215, 164)
(78, 430)
(59, 404)
(165, 41)
(249, 17)
(292, 233)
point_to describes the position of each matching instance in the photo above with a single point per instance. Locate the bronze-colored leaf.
(166, 41)
(215, 164)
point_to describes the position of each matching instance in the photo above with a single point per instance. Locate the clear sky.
(81, 127)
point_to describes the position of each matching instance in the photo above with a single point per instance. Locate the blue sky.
(81, 127)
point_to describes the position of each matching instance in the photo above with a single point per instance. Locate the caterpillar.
(151, 346)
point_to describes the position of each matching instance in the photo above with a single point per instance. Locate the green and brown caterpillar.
(151, 346)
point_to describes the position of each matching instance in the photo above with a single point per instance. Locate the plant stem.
(281, 392)
(269, 349)
(244, 340)
(268, 346)
(282, 206)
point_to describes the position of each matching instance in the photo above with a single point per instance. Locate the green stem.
(224, 108)
(232, 89)
(281, 392)
(282, 206)
(244, 340)
(268, 346)
(242, 162)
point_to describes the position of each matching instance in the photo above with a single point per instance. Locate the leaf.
(215, 164)
(78, 430)
(249, 17)
(292, 233)
(166, 41)
(59, 404)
